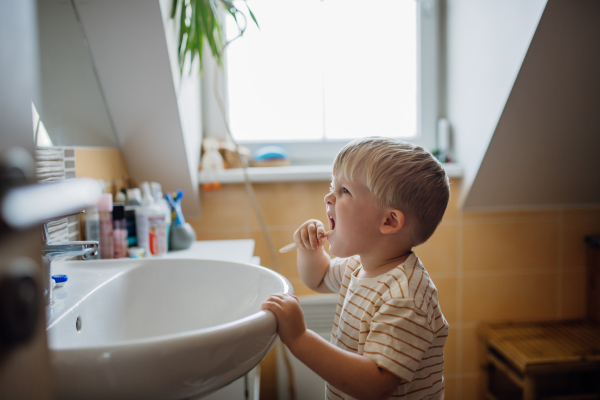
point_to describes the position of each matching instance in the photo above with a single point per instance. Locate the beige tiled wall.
(100, 163)
(517, 266)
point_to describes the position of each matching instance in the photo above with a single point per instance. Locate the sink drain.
(78, 324)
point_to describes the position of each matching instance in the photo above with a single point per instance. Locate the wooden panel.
(577, 224)
(593, 285)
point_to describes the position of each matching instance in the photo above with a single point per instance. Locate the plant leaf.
(182, 26)
(204, 19)
(174, 8)
(252, 14)
(205, 25)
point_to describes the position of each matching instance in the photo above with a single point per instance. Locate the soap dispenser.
(151, 224)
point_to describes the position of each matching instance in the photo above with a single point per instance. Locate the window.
(319, 73)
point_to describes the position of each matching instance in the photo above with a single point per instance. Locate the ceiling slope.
(545, 149)
(158, 134)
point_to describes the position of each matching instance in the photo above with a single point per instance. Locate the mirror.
(70, 103)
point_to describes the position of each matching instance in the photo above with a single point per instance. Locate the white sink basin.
(158, 328)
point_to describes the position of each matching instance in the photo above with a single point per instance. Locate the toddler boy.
(387, 196)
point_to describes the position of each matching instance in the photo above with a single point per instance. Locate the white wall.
(156, 126)
(188, 90)
(70, 102)
(486, 42)
(544, 151)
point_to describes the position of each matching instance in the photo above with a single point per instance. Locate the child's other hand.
(290, 318)
(310, 235)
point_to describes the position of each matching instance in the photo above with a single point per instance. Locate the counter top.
(241, 250)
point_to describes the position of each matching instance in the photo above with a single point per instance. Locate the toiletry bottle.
(134, 200)
(130, 225)
(134, 197)
(119, 231)
(150, 225)
(106, 227)
(92, 227)
(164, 205)
(120, 197)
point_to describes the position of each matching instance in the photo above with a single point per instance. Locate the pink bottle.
(106, 226)
(120, 231)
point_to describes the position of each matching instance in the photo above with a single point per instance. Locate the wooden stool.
(537, 357)
(557, 360)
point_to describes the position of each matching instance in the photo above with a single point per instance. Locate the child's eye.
(342, 190)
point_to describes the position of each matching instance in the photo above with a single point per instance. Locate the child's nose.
(329, 198)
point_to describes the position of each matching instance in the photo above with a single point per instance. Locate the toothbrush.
(294, 245)
(175, 203)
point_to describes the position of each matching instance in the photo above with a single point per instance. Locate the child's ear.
(394, 221)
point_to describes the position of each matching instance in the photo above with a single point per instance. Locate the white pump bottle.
(150, 224)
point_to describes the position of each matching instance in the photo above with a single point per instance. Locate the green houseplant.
(200, 21)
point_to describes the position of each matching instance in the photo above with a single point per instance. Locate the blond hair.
(400, 175)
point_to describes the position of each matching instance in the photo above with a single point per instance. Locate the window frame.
(315, 152)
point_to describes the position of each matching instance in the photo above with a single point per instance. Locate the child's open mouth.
(331, 223)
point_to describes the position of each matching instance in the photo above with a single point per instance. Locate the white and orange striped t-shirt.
(395, 320)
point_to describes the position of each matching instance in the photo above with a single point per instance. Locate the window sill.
(296, 173)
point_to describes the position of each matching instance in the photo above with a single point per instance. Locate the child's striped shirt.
(395, 320)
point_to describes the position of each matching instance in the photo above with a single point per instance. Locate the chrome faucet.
(56, 250)
(52, 251)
